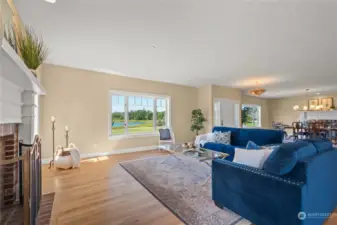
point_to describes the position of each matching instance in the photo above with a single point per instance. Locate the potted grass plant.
(32, 49)
(10, 36)
(29, 46)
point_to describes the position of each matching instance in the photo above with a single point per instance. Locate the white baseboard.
(114, 152)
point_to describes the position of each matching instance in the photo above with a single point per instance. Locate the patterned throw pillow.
(222, 137)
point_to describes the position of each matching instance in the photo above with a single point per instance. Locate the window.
(251, 115)
(137, 113)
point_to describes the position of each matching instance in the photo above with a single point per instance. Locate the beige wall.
(281, 110)
(79, 99)
(227, 93)
(265, 121)
(205, 104)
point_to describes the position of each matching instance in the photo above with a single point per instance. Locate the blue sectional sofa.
(241, 136)
(305, 195)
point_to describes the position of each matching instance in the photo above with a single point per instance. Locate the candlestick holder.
(67, 137)
(53, 141)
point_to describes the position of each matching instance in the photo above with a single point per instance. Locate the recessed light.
(51, 1)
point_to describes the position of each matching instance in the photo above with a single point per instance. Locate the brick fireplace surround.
(9, 144)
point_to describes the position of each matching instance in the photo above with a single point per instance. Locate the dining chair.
(317, 129)
(299, 131)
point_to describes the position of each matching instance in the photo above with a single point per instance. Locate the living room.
(151, 112)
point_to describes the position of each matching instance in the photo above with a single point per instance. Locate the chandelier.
(257, 91)
(308, 107)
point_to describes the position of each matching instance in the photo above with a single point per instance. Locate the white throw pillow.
(253, 158)
(210, 137)
(223, 137)
(267, 152)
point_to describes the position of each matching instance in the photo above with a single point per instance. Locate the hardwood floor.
(102, 193)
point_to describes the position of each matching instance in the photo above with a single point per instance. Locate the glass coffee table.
(202, 155)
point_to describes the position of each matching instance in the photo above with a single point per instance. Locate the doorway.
(226, 113)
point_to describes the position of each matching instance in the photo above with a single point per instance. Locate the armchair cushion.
(165, 134)
(285, 157)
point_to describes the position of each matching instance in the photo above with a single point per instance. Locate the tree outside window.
(251, 115)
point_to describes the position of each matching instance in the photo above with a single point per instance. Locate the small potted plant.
(197, 120)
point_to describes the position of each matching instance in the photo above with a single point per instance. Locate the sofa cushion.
(235, 133)
(284, 158)
(321, 144)
(247, 157)
(253, 158)
(252, 145)
(260, 136)
(241, 136)
(222, 137)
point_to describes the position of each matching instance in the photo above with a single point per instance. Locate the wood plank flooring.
(102, 193)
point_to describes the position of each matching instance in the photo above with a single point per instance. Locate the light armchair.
(166, 137)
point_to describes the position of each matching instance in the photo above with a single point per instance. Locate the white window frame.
(259, 111)
(126, 95)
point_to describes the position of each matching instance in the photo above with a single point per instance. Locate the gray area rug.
(177, 184)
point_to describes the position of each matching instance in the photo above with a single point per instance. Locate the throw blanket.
(75, 155)
(67, 158)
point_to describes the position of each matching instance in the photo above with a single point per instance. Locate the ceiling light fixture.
(50, 1)
(257, 91)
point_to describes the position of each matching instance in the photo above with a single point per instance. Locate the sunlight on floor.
(102, 158)
(90, 160)
(96, 159)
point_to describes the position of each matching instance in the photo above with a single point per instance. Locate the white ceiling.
(287, 45)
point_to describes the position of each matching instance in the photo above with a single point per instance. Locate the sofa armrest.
(229, 149)
(254, 194)
(201, 138)
(254, 172)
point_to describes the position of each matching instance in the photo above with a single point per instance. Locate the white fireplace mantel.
(19, 91)
(318, 115)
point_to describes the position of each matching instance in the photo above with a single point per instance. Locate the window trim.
(126, 94)
(259, 111)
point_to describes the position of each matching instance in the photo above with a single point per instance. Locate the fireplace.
(9, 173)
(19, 103)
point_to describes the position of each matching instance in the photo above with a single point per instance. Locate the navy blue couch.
(268, 199)
(241, 136)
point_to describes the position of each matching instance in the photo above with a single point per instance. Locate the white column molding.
(10, 102)
(28, 117)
